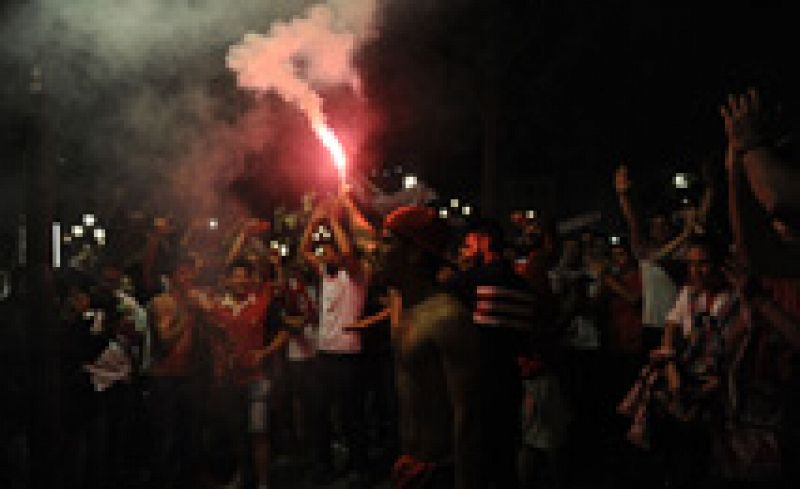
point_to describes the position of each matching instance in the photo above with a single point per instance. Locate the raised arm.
(306, 245)
(356, 217)
(151, 247)
(622, 185)
(236, 246)
(344, 242)
(751, 133)
(250, 227)
(690, 220)
(757, 193)
(709, 193)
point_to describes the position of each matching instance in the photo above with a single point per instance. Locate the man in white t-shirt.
(343, 286)
(657, 247)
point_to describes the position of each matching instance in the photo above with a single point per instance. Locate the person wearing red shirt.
(242, 314)
(623, 288)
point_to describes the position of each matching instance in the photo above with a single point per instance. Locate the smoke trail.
(295, 59)
(137, 88)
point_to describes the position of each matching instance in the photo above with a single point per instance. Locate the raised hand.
(161, 226)
(622, 182)
(745, 120)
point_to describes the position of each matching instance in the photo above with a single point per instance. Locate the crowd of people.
(399, 350)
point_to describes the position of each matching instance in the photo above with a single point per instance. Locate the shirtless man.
(436, 350)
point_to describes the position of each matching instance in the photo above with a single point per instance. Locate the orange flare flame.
(333, 145)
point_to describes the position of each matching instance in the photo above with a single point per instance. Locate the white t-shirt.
(689, 303)
(341, 304)
(658, 294)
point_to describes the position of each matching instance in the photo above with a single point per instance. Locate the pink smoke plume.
(296, 58)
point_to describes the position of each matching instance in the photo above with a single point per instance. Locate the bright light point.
(284, 249)
(99, 234)
(409, 181)
(67, 239)
(315, 236)
(274, 244)
(101, 242)
(333, 145)
(77, 231)
(89, 220)
(443, 213)
(318, 251)
(681, 181)
(685, 201)
(213, 224)
(530, 214)
(466, 210)
(615, 240)
(454, 203)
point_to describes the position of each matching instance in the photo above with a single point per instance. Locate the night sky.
(579, 87)
(565, 89)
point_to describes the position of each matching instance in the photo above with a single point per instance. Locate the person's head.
(78, 299)
(467, 255)
(183, 274)
(240, 278)
(329, 255)
(414, 241)
(446, 273)
(621, 258)
(570, 250)
(483, 241)
(110, 276)
(701, 264)
(660, 229)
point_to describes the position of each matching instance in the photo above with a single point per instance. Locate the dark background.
(552, 94)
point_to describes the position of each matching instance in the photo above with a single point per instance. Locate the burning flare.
(333, 145)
